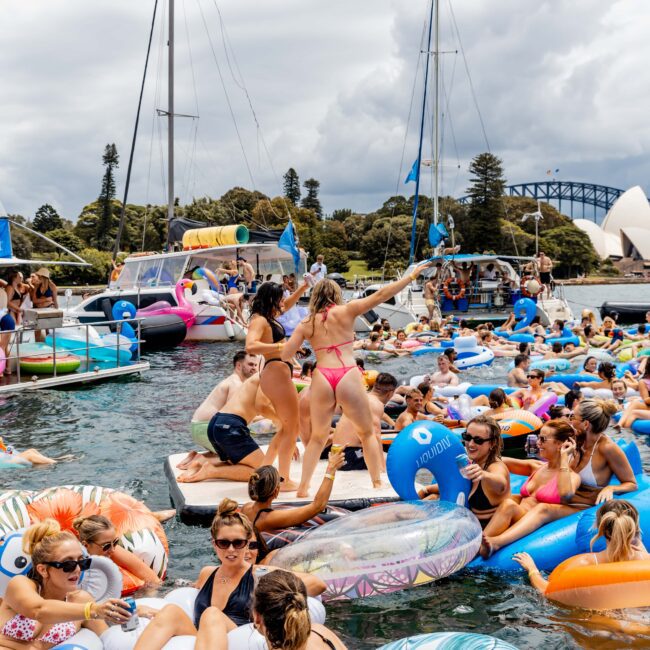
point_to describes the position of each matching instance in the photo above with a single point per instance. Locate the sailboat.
(495, 284)
(149, 278)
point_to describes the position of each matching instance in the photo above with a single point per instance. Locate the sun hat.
(44, 272)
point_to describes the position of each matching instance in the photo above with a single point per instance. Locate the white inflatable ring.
(452, 391)
(103, 580)
(465, 343)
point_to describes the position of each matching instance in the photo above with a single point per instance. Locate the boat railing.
(86, 349)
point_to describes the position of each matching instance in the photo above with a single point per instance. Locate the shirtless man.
(431, 298)
(247, 271)
(414, 402)
(568, 351)
(545, 265)
(232, 452)
(444, 376)
(346, 433)
(517, 377)
(244, 366)
(464, 272)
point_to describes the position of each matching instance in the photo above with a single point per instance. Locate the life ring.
(454, 296)
(517, 422)
(137, 529)
(523, 286)
(481, 356)
(432, 446)
(279, 538)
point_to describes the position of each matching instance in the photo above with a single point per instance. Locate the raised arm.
(521, 466)
(567, 480)
(295, 296)
(362, 305)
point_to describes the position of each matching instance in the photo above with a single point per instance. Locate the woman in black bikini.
(280, 614)
(266, 337)
(489, 475)
(227, 588)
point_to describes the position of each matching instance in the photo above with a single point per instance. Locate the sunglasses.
(543, 439)
(237, 544)
(68, 566)
(533, 377)
(108, 546)
(477, 440)
(254, 545)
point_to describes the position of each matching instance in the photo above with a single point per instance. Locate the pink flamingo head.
(181, 285)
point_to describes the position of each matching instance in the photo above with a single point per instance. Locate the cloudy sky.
(561, 84)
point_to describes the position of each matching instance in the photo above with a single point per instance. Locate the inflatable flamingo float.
(184, 308)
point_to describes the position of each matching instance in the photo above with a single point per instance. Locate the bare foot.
(288, 486)
(201, 474)
(487, 548)
(302, 492)
(378, 485)
(164, 515)
(184, 464)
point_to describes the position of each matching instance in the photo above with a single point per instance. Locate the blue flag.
(5, 238)
(288, 243)
(442, 230)
(437, 233)
(413, 174)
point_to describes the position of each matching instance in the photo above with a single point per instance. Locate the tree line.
(489, 223)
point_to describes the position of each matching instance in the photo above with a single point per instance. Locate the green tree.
(333, 235)
(388, 240)
(238, 204)
(311, 201)
(336, 259)
(107, 222)
(96, 273)
(482, 231)
(46, 219)
(570, 249)
(341, 214)
(66, 239)
(292, 186)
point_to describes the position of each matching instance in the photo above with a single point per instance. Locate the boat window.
(171, 271)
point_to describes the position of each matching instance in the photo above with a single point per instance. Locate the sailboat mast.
(434, 3)
(170, 117)
(436, 113)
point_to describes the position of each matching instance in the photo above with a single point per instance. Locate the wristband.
(280, 345)
(88, 610)
(534, 572)
(565, 469)
(413, 276)
(329, 476)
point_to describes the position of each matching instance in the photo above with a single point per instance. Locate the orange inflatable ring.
(517, 422)
(136, 526)
(523, 286)
(453, 296)
(613, 585)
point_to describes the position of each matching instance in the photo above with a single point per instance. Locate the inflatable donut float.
(137, 528)
(517, 422)
(449, 641)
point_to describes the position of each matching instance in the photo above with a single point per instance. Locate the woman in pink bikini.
(46, 607)
(545, 495)
(337, 380)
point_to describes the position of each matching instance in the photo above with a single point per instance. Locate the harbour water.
(121, 431)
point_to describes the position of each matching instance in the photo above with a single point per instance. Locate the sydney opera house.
(625, 231)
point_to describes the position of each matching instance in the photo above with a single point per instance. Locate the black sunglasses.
(253, 545)
(533, 376)
(543, 439)
(237, 544)
(108, 546)
(68, 566)
(477, 440)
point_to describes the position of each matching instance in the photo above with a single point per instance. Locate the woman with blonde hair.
(598, 458)
(98, 535)
(228, 586)
(618, 523)
(46, 607)
(337, 380)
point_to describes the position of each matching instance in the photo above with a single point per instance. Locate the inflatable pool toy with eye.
(137, 528)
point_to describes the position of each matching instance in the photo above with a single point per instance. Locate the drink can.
(462, 460)
(335, 449)
(531, 444)
(132, 623)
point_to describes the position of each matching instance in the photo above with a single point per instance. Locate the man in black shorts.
(232, 452)
(545, 265)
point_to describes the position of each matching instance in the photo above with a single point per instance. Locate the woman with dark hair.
(337, 381)
(267, 337)
(280, 615)
(598, 458)
(546, 494)
(498, 401)
(606, 374)
(489, 475)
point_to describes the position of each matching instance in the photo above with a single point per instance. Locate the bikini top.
(335, 347)
(21, 628)
(587, 476)
(238, 606)
(277, 330)
(548, 493)
(478, 501)
(47, 294)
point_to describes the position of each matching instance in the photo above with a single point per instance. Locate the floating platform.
(85, 375)
(197, 502)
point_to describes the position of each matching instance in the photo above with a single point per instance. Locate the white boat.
(146, 279)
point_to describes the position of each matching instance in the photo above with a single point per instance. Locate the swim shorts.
(354, 459)
(230, 437)
(199, 431)
(545, 277)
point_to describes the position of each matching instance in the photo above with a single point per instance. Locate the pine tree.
(311, 201)
(105, 224)
(292, 186)
(482, 231)
(47, 219)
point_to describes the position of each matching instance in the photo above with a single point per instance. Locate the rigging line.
(156, 118)
(120, 227)
(189, 49)
(404, 141)
(242, 85)
(225, 91)
(469, 77)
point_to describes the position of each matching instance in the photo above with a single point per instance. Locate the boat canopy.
(166, 269)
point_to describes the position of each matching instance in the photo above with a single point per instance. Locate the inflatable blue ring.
(522, 338)
(569, 380)
(431, 446)
(525, 309)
